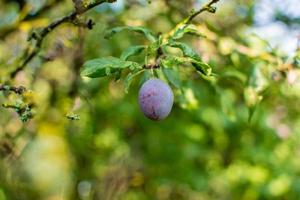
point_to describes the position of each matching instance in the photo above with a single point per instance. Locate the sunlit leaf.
(183, 29)
(186, 50)
(196, 61)
(106, 66)
(170, 61)
(203, 67)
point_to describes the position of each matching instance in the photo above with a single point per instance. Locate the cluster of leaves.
(156, 56)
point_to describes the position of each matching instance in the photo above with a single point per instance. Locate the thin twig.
(39, 36)
(208, 7)
(184, 23)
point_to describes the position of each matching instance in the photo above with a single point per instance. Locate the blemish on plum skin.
(152, 93)
(153, 115)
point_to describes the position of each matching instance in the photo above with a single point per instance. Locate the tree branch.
(40, 35)
(28, 16)
(181, 25)
(208, 7)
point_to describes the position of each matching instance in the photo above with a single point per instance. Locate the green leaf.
(186, 50)
(160, 74)
(172, 76)
(195, 59)
(202, 67)
(169, 62)
(146, 76)
(183, 29)
(132, 51)
(146, 32)
(170, 70)
(106, 66)
(129, 79)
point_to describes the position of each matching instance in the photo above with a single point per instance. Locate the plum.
(156, 99)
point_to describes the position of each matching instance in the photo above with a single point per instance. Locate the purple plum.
(156, 99)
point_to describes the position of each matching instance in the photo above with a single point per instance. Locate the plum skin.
(156, 99)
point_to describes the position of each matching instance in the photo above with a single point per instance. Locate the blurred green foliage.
(231, 135)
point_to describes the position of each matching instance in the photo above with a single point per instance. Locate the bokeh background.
(237, 137)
